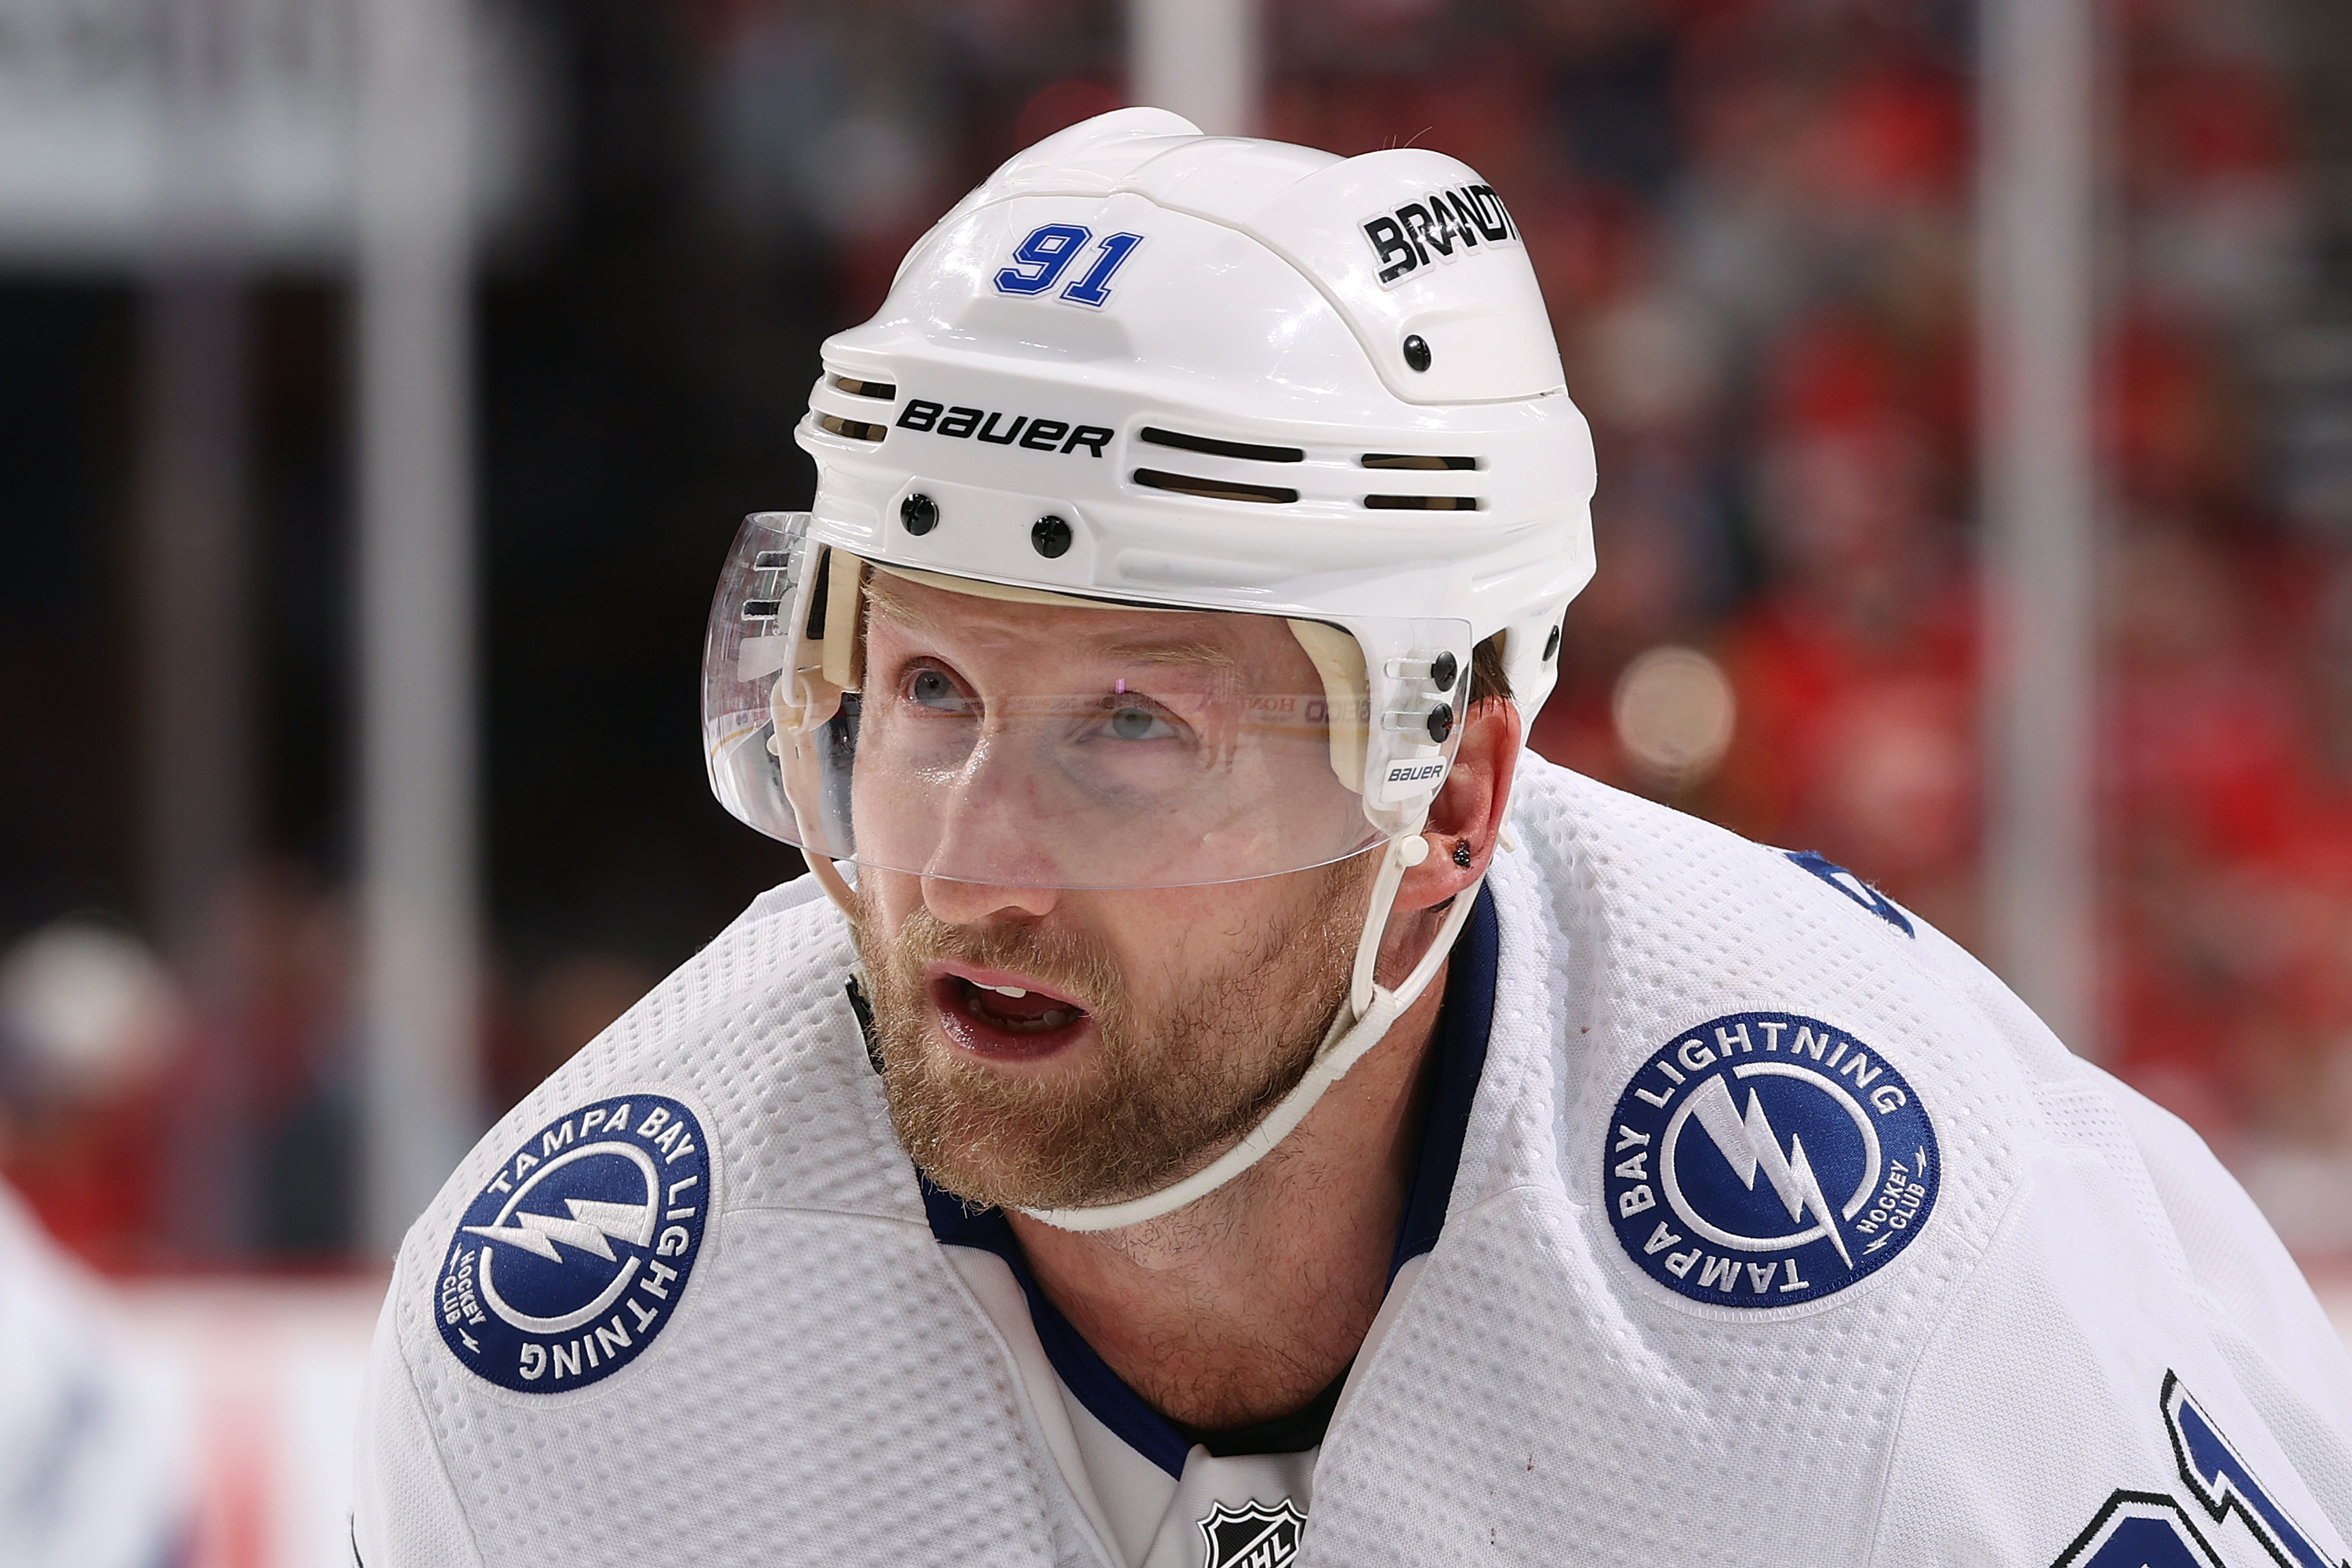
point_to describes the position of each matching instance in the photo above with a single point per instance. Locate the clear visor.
(961, 730)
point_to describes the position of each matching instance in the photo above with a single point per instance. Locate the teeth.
(1008, 991)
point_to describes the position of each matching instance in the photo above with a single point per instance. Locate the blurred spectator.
(90, 1023)
(94, 1467)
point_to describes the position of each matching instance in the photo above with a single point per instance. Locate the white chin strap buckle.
(1359, 1027)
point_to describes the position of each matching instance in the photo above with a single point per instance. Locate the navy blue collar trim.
(1098, 1388)
(1467, 1018)
(1461, 1057)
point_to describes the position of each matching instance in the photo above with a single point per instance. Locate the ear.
(1469, 806)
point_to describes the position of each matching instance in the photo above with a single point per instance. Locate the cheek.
(1176, 941)
(884, 902)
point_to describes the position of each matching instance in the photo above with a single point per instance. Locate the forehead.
(910, 619)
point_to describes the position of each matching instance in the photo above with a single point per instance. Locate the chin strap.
(1359, 1027)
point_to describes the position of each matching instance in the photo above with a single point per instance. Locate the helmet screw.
(1440, 723)
(1050, 535)
(919, 512)
(1441, 671)
(1416, 352)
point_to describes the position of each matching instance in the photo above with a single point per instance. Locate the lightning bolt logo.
(1852, 1165)
(605, 1268)
(590, 1224)
(1750, 1144)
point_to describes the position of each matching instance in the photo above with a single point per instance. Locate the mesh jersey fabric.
(831, 1391)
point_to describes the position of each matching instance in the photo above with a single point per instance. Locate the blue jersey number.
(1852, 887)
(1039, 261)
(2219, 1480)
(2149, 1529)
(2140, 1530)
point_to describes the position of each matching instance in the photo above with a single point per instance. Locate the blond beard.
(1163, 1095)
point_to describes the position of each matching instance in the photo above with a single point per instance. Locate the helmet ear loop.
(836, 887)
(1404, 852)
(834, 603)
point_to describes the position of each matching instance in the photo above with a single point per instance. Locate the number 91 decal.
(1039, 261)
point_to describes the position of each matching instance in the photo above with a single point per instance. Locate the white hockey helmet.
(1144, 367)
(1304, 413)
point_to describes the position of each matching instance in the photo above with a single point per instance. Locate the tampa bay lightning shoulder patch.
(577, 1252)
(1765, 1160)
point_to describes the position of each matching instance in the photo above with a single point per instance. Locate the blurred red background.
(1752, 220)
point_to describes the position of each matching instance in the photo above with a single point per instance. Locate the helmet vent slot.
(856, 388)
(1215, 490)
(1415, 460)
(855, 429)
(1422, 503)
(1216, 448)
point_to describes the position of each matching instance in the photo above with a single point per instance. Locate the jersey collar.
(1464, 1019)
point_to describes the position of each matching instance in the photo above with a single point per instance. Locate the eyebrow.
(1188, 654)
(1185, 653)
(881, 595)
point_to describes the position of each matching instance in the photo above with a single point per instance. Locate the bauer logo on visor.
(575, 1253)
(1766, 1159)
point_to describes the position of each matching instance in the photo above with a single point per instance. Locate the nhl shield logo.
(574, 1255)
(1255, 1536)
(1766, 1159)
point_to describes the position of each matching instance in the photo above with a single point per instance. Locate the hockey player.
(1217, 1099)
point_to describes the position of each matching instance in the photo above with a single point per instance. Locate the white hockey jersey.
(1779, 1232)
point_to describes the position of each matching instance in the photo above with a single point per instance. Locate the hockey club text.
(1438, 227)
(980, 424)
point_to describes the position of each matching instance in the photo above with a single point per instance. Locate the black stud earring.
(1462, 856)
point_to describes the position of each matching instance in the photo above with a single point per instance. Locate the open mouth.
(998, 1015)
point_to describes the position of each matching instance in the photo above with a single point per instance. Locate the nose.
(995, 831)
(970, 903)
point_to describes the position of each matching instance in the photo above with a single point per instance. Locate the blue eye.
(930, 688)
(1139, 724)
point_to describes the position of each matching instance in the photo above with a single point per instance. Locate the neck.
(1242, 1306)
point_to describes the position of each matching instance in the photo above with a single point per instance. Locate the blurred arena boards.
(267, 1374)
